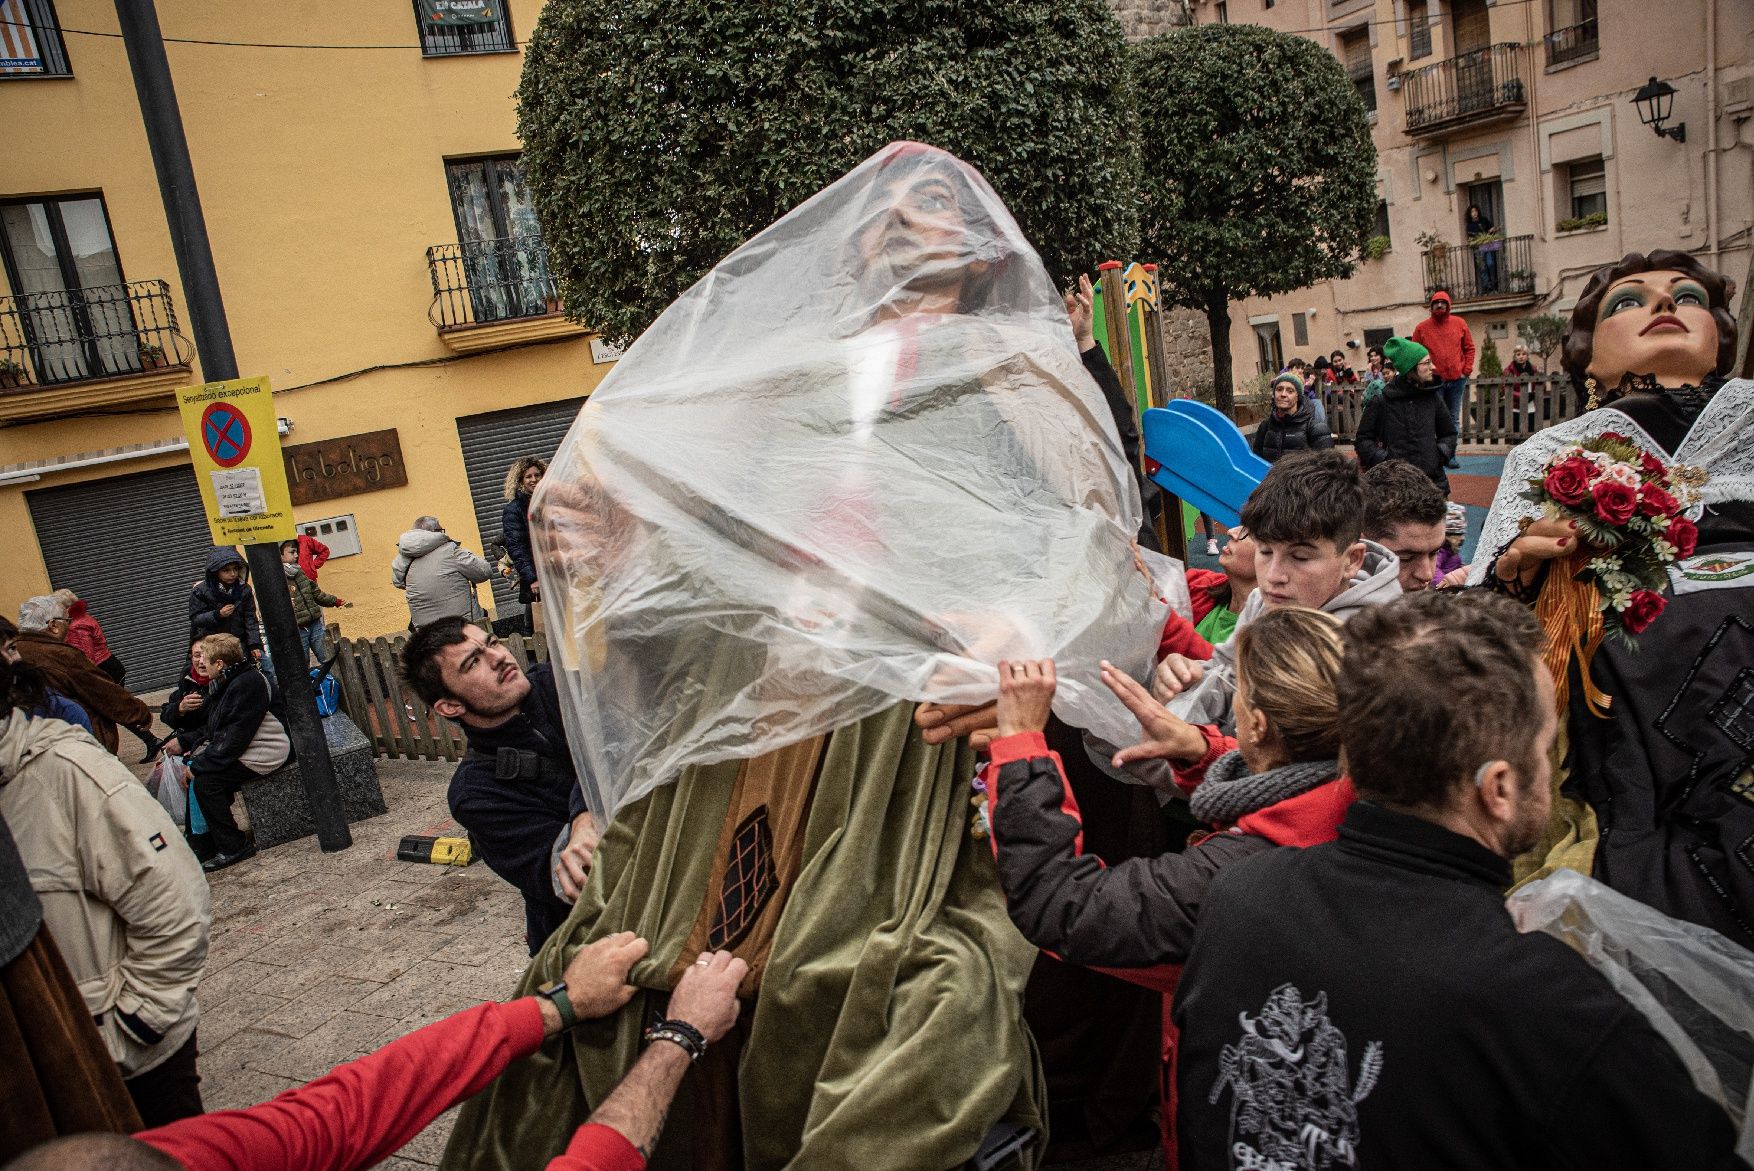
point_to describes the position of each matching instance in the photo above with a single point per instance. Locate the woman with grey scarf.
(1277, 782)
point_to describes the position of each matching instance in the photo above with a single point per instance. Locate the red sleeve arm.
(596, 1147)
(359, 1114)
(1180, 638)
(1467, 350)
(1189, 776)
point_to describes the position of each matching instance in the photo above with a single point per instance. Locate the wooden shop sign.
(345, 466)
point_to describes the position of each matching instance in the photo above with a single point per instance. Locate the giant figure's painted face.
(1657, 323)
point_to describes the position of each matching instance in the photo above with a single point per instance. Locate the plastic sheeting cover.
(858, 462)
(1692, 984)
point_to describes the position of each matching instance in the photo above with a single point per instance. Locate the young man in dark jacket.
(1409, 421)
(1292, 426)
(1369, 1003)
(223, 604)
(235, 743)
(516, 790)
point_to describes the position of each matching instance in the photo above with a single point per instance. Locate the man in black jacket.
(1409, 420)
(516, 790)
(1368, 1003)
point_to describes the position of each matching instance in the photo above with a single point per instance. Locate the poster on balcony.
(18, 42)
(456, 12)
(234, 445)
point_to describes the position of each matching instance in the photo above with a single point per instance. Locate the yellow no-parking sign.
(234, 443)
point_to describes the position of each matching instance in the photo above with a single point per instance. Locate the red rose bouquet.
(1627, 504)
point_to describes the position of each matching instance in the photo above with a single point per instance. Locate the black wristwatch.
(555, 990)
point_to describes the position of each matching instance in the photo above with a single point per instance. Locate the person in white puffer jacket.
(123, 895)
(438, 574)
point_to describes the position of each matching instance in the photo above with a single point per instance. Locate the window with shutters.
(1419, 37)
(1587, 183)
(1223, 12)
(1381, 227)
(1355, 55)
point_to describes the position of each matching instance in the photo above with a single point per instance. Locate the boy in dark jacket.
(1410, 420)
(1292, 426)
(223, 604)
(308, 601)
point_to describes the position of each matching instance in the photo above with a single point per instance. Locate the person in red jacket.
(361, 1113)
(1276, 783)
(1451, 346)
(1217, 599)
(312, 555)
(84, 633)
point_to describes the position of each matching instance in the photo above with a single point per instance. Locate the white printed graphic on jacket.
(1295, 1107)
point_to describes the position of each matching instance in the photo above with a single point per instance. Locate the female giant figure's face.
(1657, 323)
(917, 237)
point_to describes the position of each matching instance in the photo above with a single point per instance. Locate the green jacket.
(308, 599)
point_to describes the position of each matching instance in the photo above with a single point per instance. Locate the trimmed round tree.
(1261, 176)
(660, 134)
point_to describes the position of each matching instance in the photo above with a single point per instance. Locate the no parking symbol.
(243, 484)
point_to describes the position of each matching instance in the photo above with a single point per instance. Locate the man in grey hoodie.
(1305, 520)
(437, 573)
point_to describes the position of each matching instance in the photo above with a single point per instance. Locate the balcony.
(487, 294)
(85, 349)
(1577, 43)
(1474, 89)
(1494, 274)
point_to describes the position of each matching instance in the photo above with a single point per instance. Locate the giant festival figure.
(852, 468)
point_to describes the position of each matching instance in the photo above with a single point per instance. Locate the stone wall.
(1187, 353)
(1147, 18)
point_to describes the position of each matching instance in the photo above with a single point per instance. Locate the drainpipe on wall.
(1711, 248)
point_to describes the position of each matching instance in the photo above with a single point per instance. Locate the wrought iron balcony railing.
(80, 334)
(1572, 44)
(1480, 272)
(1481, 86)
(479, 282)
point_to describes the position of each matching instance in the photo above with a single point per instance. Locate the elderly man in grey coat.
(437, 573)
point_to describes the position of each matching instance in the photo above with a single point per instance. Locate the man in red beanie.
(1446, 336)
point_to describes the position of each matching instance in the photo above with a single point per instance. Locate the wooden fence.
(1501, 411)
(389, 713)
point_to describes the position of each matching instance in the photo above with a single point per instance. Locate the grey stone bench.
(276, 803)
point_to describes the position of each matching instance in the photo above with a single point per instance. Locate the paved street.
(318, 958)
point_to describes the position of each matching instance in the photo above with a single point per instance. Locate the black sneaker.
(221, 861)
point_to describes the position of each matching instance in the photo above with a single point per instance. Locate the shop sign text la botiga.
(234, 445)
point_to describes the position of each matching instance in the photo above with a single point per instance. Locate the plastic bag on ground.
(859, 462)
(1695, 986)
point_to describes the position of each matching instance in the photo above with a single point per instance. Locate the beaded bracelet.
(680, 1033)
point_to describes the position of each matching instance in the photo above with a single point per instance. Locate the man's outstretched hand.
(706, 996)
(1166, 735)
(1081, 309)
(941, 723)
(596, 977)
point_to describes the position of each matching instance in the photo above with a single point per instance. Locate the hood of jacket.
(77, 610)
(218, 560)
(1403, 388)
(419, 542)
(1377, 582)
(23, 740)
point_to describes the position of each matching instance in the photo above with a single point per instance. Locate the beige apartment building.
(1524, 108)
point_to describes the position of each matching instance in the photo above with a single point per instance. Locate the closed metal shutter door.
(490, 443)
(131, 546)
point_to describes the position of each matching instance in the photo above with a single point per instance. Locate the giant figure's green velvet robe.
(888, 1030)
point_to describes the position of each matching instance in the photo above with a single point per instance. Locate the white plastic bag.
(1695, 987)
(858, 463)
(169, 782)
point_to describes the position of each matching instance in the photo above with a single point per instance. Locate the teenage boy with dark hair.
(1305, 521)
(1405, 514)
(516, 790)
(1369, 1003)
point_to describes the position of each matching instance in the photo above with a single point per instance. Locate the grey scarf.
(1230, 791)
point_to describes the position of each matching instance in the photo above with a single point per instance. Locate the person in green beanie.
(1409, 421)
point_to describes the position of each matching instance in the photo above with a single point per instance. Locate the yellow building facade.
(378, 263)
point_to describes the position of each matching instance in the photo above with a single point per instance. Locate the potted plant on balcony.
(1434, 246)
(12, 374)
(152, 356)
